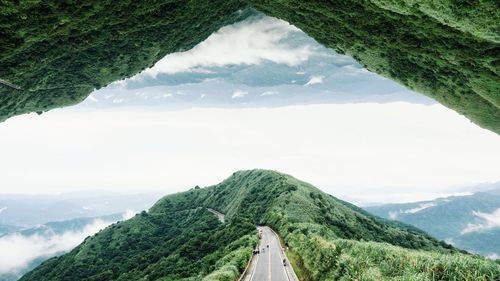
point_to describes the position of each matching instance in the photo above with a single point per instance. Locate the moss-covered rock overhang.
(59, 51)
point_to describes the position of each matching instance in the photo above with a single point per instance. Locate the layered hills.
(326, 239)
(470, 222)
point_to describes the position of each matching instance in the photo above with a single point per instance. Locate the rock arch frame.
(57, 52)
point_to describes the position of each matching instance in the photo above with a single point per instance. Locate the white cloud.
(490, 221)
(315, 79)
(393, 195)
(17, 250)
(422, 206)
(117, 100)
(92, 98)
(239, 94)
(449, 241)
(250, 42)
(393, 215)
(269, 93)
(129, 214)
(493, 256)
(354, 70)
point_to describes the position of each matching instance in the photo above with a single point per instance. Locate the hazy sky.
(372, 151)
(417, 148)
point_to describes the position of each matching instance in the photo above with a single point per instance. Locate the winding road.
(220, 216)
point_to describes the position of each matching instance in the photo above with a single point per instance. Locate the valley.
(326, 238)
(122, 124)
(469, 222)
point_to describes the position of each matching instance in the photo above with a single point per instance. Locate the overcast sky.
(371, 151)
(366, 147)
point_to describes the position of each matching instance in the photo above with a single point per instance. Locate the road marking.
(255, 267)
(281, 256)
(269, 250)
(284, 269)
(267, 241)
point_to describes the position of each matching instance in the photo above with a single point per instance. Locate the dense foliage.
(329, 239)
(290, 205)
(341, 259)
(58, 51)
(448, 50)
(326, 238)
(178, 241)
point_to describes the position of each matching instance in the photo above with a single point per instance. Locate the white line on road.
(284, 269)
(253, 271)
(269, 268)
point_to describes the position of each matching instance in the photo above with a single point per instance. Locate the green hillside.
(58, 51)
(327, 239)
(176, 241)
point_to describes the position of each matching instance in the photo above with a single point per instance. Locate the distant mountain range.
(470, 222)
(33, 245)
(25, 211)
(37, 227)
(326, 239)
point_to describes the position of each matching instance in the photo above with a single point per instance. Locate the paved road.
(269, 263)
(220, 216)
(8, 84)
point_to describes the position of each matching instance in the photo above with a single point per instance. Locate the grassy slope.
(328, 239)
(58, 52)
(333, 240)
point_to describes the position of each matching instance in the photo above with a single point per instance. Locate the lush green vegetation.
(341, 259)
(445, 49)
(327, 239)
(58, 51)
(178, 241)
(290, 205)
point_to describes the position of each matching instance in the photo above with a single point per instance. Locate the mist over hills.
(26, 211)
(24, 248)
(34, 228)
(326, 238)
(470, 222)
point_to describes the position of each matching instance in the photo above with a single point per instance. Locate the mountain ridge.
(327, 239)
(466, 221)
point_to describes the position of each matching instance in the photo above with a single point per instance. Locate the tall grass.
(341, 259)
